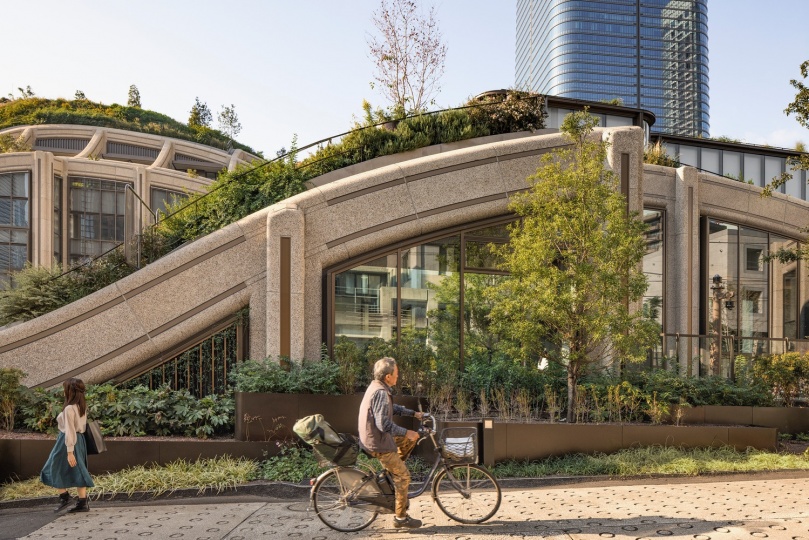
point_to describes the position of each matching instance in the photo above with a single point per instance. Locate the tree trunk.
(571, 394)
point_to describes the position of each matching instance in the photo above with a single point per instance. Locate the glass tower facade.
(652, 54)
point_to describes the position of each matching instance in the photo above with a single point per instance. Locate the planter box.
(505, 441)
(261, 417)
(784, 419)
(23, 458)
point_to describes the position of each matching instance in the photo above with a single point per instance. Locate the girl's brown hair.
(74, 394)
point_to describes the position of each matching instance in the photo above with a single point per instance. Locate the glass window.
(794, 186)
(14, 224)
(784, 291)
(618, 121)
(753, 302)
(752, 169)
(97, 212)
(710, 160)
(773, 167)
(731, 164)
(365, 301)
(653, 265)
(162, 198)
(689, 155)
(57, 219)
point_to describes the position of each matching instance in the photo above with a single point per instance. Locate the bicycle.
(349, 498)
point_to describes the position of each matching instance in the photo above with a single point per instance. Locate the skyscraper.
(651, 54)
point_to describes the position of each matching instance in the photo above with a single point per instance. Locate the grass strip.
(655, 460)
(227, 472)
(219, 473)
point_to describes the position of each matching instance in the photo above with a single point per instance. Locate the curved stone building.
(363, 251)
(82, 189)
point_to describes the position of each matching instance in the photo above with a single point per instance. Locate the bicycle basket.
(460, 445)
(343, 454)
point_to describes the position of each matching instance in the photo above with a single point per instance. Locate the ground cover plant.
(35, 110)
(209, 474)
(299, 465)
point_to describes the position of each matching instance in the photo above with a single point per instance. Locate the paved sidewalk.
(729, 509)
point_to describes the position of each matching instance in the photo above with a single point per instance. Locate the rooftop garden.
(35, 110)
(236, 194)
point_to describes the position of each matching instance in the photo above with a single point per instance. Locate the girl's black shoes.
(81, 506)
(64, 500)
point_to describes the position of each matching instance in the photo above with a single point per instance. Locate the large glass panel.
(772, 168)
(653, 265)
(689, 155)
(161, 199)
(722, 283)
(784, 291)
(794, 186)
(481, 343)
(753, 301)
(710, 160)
(731, 164)
(365, 301)
(752, 169)
(430, 297)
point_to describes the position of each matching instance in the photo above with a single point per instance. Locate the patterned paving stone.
(741, 510)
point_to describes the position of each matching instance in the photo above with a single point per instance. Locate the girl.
(67, 465)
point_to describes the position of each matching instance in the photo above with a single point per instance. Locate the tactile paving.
(739, 510)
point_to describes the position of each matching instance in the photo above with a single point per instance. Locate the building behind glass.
(651, 54)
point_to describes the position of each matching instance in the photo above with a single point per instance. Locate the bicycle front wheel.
(467, 493)
(336, 505)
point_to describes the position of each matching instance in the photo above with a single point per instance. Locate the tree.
(200, 115)
(25, 93)
(574, 265)
(134, 97)
(229, 122)
(79, 95)
(408, 54)
(800, 108)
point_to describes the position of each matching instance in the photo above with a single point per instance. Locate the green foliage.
(292, 464)
(573, 264)
(284, 377)
(655, 154)
(9, 144)
(200, 115)
(40, 290)
(800, 105)
(133, 98)
(11, 392)
(34, 111)
(786, 375)
(137, 411)
(351, 361)
(653, 460)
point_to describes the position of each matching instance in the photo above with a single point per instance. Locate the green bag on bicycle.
(339, 449)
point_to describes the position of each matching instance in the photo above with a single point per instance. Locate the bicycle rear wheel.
(467, 493)
(335, 502)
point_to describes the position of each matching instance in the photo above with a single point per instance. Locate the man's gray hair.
(382, 367)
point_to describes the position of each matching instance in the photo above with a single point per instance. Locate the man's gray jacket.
(375, 420)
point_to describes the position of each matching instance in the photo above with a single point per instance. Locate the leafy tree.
(25, 93)
(134, 97)
(229, 121)
(200, 114)
(408, 54)
(800, 108)
(10, 144)
(574, 264)
(79, 95)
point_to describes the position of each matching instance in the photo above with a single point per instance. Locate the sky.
(301, 69)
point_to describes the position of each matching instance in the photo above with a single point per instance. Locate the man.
(384, 440)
